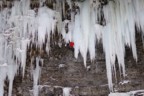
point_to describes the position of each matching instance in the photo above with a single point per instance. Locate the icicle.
(80, 31)
(67, 35)
(77, 36)
(108, 51)
(36, 76)
(85, 25)
(23, 54)
(3, 74)
(20, 25)
(46, 23)
(12, 70)
(92, 35)
(19, 19)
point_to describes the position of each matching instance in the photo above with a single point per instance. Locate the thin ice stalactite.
(11, 69)
(77, 36)
(36, 76)
(85, 25)
(3, 74)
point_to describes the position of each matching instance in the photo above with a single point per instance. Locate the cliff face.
(61, 70)
(82, 23)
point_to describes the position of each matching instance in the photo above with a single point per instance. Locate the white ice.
(131, 93)
(36, 77)
(66, 91)
(119, 94)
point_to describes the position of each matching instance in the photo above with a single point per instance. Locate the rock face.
(62, 70)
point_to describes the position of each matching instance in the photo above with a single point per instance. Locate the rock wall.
(62, 70)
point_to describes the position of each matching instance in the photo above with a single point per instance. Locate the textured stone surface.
(61, 69)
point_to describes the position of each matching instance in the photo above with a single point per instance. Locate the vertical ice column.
(3, 74)
(36, 76)
(24, 54)
(85, 26)
(12, 70)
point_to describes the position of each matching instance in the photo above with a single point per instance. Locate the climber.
(71, 44)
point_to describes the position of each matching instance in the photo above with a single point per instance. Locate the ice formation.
(22, 28)
(131, 93)
(119, 94)
(66, 91)
(36, 75)
(116, 31)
